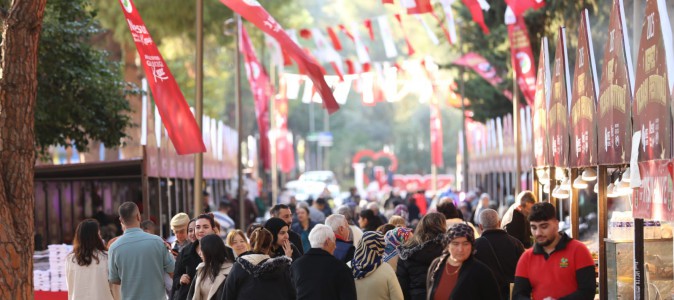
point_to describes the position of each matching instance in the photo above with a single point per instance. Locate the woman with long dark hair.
(189, 259)
(417, 254)
(257, 275)
(87, 265)
(212, 272)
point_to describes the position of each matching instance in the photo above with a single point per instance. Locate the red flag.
(284, 146)
(334, 39)
(523, 59)
(261, 89)
(481, 66)
(305, 33)
(368, 25)
(410, 49)
(175, 113)
(387, 1)
(475, 8)
(349, 67)
(436, 134)
(420, 7)
(252, 11)
(519, 7)
(346, 31)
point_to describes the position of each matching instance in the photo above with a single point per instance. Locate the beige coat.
(224, 271)
(90, 282)
(382, 284)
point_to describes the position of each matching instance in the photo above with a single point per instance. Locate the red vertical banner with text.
(284, 144)
(262, 90)
(436, 133)
(175, 114)
(522, 59)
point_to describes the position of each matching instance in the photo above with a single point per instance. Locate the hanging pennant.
(334, 39)
(476, 7)
(368, 25)
(429, 32)
(293, 83)
(387, 37)
(410, 49)
(450, 31)
(367, 86)
(341, 91)
(361, 51)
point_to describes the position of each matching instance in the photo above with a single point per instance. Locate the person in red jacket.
(557, 267)
(420, 201)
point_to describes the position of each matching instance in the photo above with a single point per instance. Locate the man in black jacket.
(515, 219)
(318, 274)
(284, 213)
(498, 250)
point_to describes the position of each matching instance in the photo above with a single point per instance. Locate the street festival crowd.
(400, 248)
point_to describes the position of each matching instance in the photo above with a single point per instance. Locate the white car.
(312, 184)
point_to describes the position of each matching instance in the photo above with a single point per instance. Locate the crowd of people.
(402, 249)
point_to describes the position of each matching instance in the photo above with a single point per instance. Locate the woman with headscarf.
(394, 238)
(375, 280)
(418, 253)
(281, 240)
(456, 274)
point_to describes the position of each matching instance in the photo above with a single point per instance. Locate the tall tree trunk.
(18, 90)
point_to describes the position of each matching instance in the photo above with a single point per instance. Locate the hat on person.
(274, 225)
(180, 220)
(460, 230)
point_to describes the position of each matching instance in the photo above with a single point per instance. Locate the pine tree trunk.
(18, 90)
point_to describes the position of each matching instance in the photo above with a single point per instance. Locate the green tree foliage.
(81, 95)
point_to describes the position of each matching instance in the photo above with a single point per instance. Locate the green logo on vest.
(564, 263)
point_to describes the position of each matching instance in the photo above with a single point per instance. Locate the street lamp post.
(198, 107)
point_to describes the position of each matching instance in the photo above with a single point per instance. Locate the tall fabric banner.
(583, 129)
(521, 6)
(652, 97)
(261, 89)
(540, 113)
(558, 112)
(179, 121)
(284, 146)
(436, 134)
(614, 130)
(252, 11)
(522, 58)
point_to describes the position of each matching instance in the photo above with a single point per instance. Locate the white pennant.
(449, 16)
(143, 127)
(324, 51)
(367, 81)
(429, 32)
(387, 37)
(293, 83)
(363, 56)
(308, 91)
(275, 51)
(341, 91)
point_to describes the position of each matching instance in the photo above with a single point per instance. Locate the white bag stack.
(57, 266)
(41, 281)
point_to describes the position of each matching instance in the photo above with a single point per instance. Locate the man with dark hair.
(222, 218)
(322, 205)
(284, 213)
(515, 222)
(557, 267)
(148, 226)
(137, 255)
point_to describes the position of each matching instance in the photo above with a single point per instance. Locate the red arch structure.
(374, 156)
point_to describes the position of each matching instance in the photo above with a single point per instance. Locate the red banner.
(175, 113)
(420, 7)
(252, 11)
(284, 147)
(436, 134)
(558, 113)
(262, 90)
(540, 110)
(475, 8)
(653, 200)
(483, 68)
(522, 58)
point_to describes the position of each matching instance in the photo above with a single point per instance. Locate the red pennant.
(349, 67)
(262, 90)
(421, 7)
(175, 113)
(519, 7)
(284, 147)
(305, 33)
(444, 28)
(410, 49)
(335, 67)
(333, 38)
(476, 11)
(368, 25)
(436, 134)
(386, 1)
(286, 58)
(253, 12)
(346, 31)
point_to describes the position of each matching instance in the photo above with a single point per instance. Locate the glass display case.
(620, 266)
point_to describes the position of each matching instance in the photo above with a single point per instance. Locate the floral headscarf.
(368, 255)
(394, 238)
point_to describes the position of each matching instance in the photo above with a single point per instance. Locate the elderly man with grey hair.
(318, 274)
(355, 233)
(340, 227)
(498, 250)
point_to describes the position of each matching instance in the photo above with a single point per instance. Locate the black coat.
(186, 263)
(280, 252)
(320, 275)
(267, 279)
(502, 260)
(413, 266)
(519, 228)
(475, 282)
(296, 240)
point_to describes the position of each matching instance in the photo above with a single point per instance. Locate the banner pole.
(198, 114)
